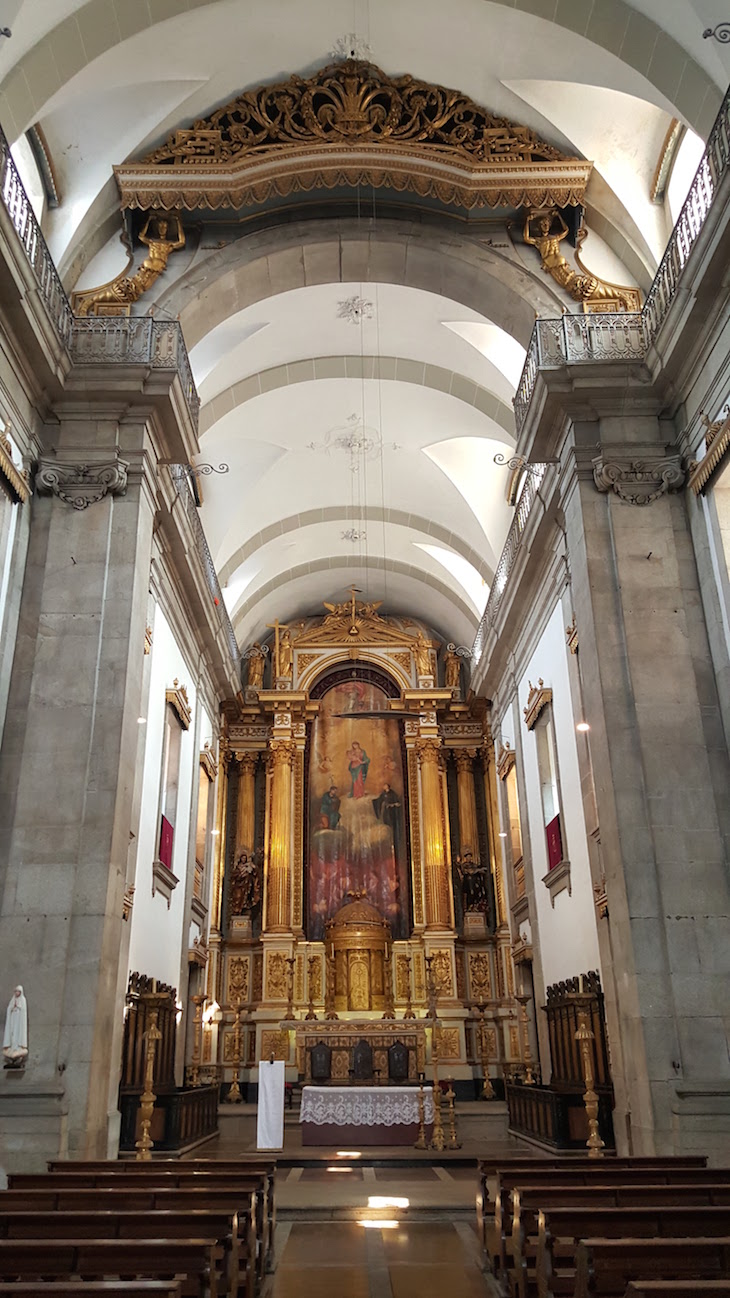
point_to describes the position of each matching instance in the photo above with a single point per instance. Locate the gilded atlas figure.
(15, 1040)
(162, 234)
(545, 230)
(245, 892)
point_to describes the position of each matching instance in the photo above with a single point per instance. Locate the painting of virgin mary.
(358, 765)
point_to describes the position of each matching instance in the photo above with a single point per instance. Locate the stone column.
(278, 892)
(661, 776)
(67, 770)
(468, 829)
(246, 816)
(433, 833)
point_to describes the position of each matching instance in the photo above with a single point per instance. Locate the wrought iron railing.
(509, 554)
(588, 339)
(135, 340)
(574, 339)
(18, 206)
(99, 339)
(181, 478)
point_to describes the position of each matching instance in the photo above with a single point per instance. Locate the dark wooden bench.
(497, 1236)
(105, 1222)
(678, 1289)
(92, 1289)
(605, 1267)
(172, 1175)
(195, 1263)
(545, 1245)
(490, 1167)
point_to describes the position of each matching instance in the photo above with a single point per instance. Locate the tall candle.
(580, 982)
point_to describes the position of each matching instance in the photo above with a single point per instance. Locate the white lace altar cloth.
(364, 1106)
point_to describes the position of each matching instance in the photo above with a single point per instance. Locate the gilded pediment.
(351, 124)
(353, 622)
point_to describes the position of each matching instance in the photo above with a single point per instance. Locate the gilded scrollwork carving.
(81, 485)
(350, 124)
(639, 482)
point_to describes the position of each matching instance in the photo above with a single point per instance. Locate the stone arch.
(349, 514)
(330, 251)
(376, 563)
(391, 368)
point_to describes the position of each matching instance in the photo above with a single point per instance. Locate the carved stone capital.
(247, 763)
(464, 759)
(80, 484)
(639, 482)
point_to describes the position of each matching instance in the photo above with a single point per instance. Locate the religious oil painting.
(357, 808)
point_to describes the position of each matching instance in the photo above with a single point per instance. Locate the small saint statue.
(256, 662)
(245, 892)
(286, 655)
(15, 1041)
(452, 670)
(422, 653)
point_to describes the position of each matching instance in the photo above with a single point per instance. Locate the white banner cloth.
(364, 1106)
(270, 1118)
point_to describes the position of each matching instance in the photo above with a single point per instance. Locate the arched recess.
(259, 266)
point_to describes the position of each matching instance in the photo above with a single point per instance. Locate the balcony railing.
(180, 477)
(509, 554)
(135, 340)
(587, 339)
(95, 340)
(17, 204)
(106, 340)
(576, 339)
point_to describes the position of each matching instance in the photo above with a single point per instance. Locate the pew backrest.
(606, 1266)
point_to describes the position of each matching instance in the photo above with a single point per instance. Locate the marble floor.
(411, 1259)
(375, 1231)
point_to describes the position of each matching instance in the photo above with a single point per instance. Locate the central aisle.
(377, 1232)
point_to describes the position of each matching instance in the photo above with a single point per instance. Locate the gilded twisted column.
(433, 830)
(278, 901)
(246, 818)
(468, 828)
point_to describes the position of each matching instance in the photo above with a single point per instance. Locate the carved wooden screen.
(135, 1026)
(562, 1016)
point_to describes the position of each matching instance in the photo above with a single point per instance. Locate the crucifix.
(276, 626)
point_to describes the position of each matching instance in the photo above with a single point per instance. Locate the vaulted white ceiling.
(359, 451)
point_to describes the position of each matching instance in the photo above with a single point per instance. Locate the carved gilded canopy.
(352, 124)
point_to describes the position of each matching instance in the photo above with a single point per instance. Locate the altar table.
(362, 1115)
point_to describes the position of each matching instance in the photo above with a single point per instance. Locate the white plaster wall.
(568, 936)
(157, 935)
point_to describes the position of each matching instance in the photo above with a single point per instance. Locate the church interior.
(345, 889)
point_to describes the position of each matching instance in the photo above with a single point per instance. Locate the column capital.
(247, 762)
(81, 484)
(428, 750)
(464, 759)
(638, 481)
(282, 752)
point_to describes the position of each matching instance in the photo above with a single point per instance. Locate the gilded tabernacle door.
(357, 809)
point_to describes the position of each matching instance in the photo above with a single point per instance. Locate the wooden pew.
(103, 1222)
(490, 1167)
(171, 1174)
(92, 1289)
(497, 1238)
(545, 1246)
(678, 1289)
(604, 1267)
(195, 1263)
